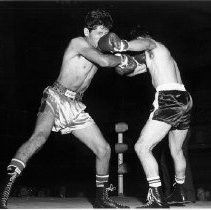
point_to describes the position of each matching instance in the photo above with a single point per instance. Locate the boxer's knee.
(176, 152)
(104, 151)
(138, 147)
(141, 147)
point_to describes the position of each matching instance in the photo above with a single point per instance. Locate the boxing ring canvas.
(84, 203)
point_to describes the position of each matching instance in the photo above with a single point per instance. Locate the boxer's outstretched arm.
(141, 44)
(94, 55)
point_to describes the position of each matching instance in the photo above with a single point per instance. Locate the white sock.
(180, 180)
(154, 181)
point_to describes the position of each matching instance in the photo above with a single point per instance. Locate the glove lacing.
(124, 45)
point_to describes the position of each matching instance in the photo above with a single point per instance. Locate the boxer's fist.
(112, 43)
(127, 66)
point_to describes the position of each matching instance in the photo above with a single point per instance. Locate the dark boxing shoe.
(103, 201)
(177, 197)
(155, 199)
(6, 186)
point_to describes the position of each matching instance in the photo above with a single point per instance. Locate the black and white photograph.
(105, 104)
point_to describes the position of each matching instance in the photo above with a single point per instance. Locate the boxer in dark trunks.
(172, 105)
(170, 115)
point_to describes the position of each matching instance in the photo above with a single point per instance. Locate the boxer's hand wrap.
(112, 43)
(127, 66)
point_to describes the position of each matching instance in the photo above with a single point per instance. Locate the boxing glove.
(112, 43)
(127, 66)
(140, 58)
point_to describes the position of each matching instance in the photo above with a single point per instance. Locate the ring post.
(120, 128)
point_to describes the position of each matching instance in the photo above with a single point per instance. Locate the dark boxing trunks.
(172, 105)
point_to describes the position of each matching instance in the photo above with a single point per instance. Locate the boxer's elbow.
(151, 45)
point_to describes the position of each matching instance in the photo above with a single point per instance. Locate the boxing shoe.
(155, 199)
(103, 201)
(177, 197)
(6, 186)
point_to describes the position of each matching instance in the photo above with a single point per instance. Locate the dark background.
(33, 37)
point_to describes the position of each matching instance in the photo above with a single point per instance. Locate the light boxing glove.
(112, 43)
(127, 66)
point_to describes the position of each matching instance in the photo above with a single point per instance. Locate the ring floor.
(84, 203)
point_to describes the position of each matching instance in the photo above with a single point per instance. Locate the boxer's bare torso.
(82, 58)
(76, 71)
(162, 66)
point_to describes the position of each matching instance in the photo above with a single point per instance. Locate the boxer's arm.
(94, 55)
(141, 44)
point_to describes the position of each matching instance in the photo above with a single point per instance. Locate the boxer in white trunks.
(62, 109)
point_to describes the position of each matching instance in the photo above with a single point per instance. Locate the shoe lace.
(149, 198)
(112, 188)
(7, 189)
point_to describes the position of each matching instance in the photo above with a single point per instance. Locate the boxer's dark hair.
(98, 17)
(139, 31)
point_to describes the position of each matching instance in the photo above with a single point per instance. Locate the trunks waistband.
(171, 86)
(67, 92)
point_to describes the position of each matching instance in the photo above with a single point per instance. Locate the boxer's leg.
(92, 137)
(176, 139)
(41, 132)
(152, 133)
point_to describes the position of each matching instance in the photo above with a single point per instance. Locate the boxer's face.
(95, 34)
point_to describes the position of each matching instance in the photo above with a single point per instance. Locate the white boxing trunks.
(67, 108)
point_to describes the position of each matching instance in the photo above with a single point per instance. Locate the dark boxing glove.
(127, 66)
(112, 43)
(140, 58)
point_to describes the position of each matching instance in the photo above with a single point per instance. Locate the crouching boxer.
(170, 115)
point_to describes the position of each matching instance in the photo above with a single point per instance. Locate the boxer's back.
(162, 66)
